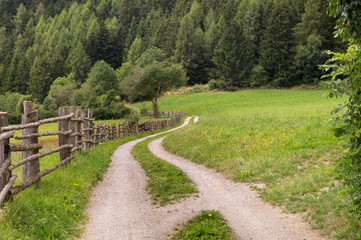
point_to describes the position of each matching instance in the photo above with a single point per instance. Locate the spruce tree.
(276, 46)
(191, 51)
(78, 63)
(233, 57)
(40, 79)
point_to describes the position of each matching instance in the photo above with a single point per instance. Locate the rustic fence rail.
(76, 132)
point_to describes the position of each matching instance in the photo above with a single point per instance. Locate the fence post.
(91, 125)
(4, 152)
(63, 126)
(72, 126)
(78, 126)
(30, 169)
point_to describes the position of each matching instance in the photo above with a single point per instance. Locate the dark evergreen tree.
(191, 51)
(277, 43)
(40, 79)
(233, 58)
(308, 58)
(78, 63)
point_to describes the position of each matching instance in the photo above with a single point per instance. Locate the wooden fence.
(76, 132)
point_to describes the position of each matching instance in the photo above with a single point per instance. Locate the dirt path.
(121, 209)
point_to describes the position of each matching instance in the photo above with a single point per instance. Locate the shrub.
(133, 119)
(114, 111)
(220, 84)
(143, 110)
(258, 76)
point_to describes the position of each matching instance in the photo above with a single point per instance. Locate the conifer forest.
(88, 52)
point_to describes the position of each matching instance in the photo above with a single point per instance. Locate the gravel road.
(120, 208)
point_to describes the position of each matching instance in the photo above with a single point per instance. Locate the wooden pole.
(90, 125)
(78, 126)
(30, 169)
(64, 139)
(4, 153)
(72, 126)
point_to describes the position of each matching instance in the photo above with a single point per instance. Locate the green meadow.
(280, 141)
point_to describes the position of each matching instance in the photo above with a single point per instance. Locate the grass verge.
(166, 183)
(207, 225)
(280, 140)
(55, 210)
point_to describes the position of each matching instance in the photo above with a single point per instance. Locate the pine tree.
(20, 19)
(136, 50)
(4, 43)
(78, 62)
(277, 43)
(40, 80)
(132, 34)
(315, 21)
(233, 57)
(191, 51)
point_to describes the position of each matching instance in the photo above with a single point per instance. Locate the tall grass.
(281, 139)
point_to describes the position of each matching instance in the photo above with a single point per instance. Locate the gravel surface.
(120, 208)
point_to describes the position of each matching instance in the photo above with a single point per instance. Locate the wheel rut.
(120, 207)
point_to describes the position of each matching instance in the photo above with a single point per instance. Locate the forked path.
(120, 208)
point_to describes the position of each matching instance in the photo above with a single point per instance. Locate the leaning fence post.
(30, 169)
(4, 152)
(63, 126)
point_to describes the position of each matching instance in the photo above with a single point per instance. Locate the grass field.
(280, 140)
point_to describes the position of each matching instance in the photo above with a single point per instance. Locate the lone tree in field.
(148, 83)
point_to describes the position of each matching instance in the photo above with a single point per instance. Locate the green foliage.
(154, 76)
(345, 80)
(150, 82)
(233, 56)
(206, 225)
(79, 62)
(61, 93)
(166, 183)
(307, 60)
(40, 41)
(190, 50)
(135, 50)
(277, 43)
(258, 76)
(40, 79)
(150, 56)
(102, 76)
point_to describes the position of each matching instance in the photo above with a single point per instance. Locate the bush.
(283, 81)
(219, 84)
(144, 111)
(258, 76)
(115, 111)
(198, 88)
(14, 118)
(133, 119)
(46, 113)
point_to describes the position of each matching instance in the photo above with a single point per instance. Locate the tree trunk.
(155, 108)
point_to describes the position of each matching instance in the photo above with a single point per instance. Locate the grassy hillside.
(279, 140)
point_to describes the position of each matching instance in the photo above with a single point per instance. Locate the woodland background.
(79, 52)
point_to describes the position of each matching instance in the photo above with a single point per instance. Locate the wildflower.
(210, 215)
(75, 184)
